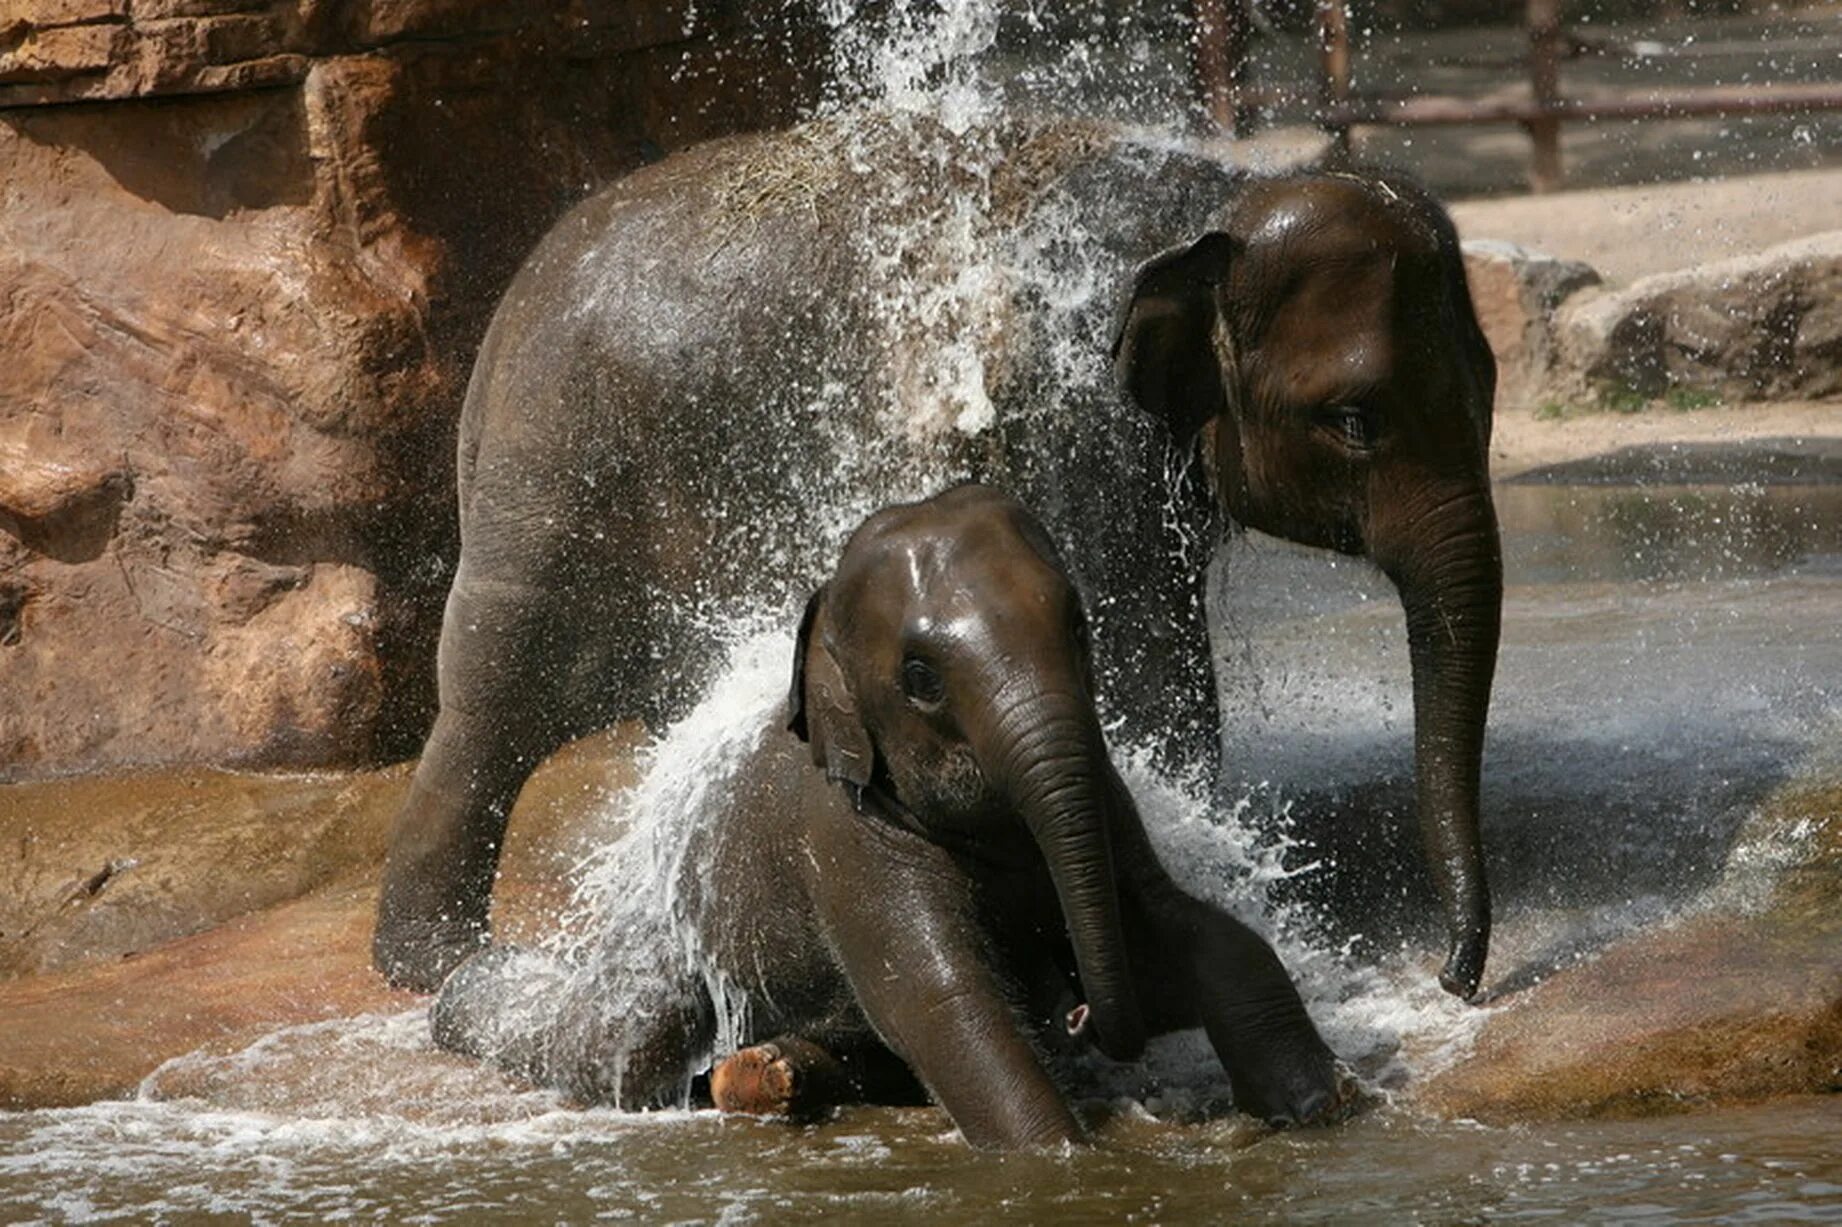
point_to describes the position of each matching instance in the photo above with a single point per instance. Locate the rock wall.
(247, 250)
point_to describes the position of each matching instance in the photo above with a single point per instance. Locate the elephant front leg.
(1196, 965)
(902, 920)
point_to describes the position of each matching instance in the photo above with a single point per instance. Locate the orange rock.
(243, 286)
(1740, 1002)
(154, 915)
(94, 1033)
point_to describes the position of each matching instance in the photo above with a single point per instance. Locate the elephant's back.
(872, 266)
(709, 372)
(632, 292)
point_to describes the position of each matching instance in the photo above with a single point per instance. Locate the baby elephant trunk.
(1056, 763)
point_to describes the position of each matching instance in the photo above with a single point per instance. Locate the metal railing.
(1224, 31)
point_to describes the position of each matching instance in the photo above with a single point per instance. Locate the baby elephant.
(945, 867)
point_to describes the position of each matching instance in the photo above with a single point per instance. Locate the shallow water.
(1670, 655)
(1665, 665)
(1771, 1164)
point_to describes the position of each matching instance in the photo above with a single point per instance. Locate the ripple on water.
(185, 1159)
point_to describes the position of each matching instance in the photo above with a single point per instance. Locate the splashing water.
(920, 58)
(639, 884)
(960, 218)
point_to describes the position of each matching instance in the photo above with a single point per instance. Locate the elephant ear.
(823, 712)
(1164, 355)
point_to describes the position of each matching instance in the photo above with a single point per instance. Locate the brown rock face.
(1760, 327)
(1740, 1002)
(145, 916)
(236, 323)
(1515, 292)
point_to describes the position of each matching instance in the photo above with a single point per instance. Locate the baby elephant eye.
(921, 682)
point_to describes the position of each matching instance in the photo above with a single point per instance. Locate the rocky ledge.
(219, 908)
(1766, 326)
(202, 910)
(1739, 1000)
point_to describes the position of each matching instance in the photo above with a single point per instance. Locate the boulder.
(104, 867)
(1758, 327)
(1516, 292)
(95, 1033)
(150, 916)
(1739, 1000)
(246, 261)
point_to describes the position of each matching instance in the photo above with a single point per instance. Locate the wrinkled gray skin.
(697, 381)
(950, 854)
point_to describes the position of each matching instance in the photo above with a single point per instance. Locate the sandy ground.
(1631, 232)
(1522, 442)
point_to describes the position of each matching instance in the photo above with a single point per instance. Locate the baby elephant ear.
(821, 709)
(1164, 355)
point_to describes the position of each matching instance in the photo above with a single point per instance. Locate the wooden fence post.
(1544, 127)
(1334, 52)
(1221, 60)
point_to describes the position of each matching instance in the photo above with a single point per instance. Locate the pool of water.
(1670, 656)
(176, 1162)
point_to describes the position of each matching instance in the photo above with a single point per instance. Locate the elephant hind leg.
(502, 651)
(633, 1046)
(497, 1006)
(801, 1079)
(788, 1076)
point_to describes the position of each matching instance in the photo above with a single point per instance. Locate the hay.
(896, 168)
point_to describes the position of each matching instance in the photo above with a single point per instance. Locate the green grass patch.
(1687, 400)
(1614, 397)
(1622, 398)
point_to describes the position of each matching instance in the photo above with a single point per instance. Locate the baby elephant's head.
(942, 676)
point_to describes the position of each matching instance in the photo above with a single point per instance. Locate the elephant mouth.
(1076, 1022)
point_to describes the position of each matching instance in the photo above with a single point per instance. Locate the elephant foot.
(756, 1081)
(1306, 1089)
(1314, 1102)
(420, 956)
(788, 1079)
(1281, 1070)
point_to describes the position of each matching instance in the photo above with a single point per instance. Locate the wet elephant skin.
(945, 866)
(707, 369)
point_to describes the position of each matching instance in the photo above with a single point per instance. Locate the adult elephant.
(709, 371)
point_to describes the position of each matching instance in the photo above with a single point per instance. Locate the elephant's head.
(1323, 345)
(942, 677)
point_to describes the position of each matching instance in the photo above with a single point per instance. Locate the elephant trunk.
(1055, 764)
(1449, 572)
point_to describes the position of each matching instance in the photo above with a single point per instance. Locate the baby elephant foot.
(788, 1078)
(1290, 1079)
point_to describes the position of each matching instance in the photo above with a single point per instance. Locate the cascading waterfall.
(1669, 665)
(959, 221)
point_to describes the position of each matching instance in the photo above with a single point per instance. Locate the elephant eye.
(1353, 426)
(921, 682)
